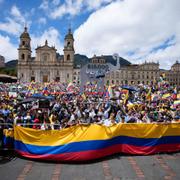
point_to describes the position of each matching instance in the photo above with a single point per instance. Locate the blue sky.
(37, 16)
(137, 30)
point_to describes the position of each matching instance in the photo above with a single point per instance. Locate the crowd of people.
(66, 106)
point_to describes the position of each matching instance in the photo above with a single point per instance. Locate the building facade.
(2, 61)
(135, 74)
(173, 75)
(47, 65)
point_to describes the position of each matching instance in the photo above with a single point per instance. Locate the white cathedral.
(47, 65)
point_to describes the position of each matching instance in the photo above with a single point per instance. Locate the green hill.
(79, 61)
(110, 59)
(10, 68)
(11, 64)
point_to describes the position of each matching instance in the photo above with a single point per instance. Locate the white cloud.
(132, 25)
(69, 7)
(15, 11)
(8, 50)
(14, 23)
(166, 57)
(11, 26)
(56, 9)
(17, 15)
(44, 5)
(42, 20)
(56, 2)
(53, 37)
(95, 4)
(51, 34)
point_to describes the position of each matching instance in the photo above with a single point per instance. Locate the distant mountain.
(11, 64)
(79, 60)
(82, 60)
(110, 59)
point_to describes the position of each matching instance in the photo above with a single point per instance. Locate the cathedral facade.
(47, 65)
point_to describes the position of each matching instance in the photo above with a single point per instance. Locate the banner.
(81, 142)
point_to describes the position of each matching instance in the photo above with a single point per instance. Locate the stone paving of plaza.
(117, 167)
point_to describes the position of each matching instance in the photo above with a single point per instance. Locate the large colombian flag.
(81, 143)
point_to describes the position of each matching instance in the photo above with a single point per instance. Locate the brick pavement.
(118, 167)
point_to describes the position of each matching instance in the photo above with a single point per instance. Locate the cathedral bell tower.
(69, 48)
(24, 49)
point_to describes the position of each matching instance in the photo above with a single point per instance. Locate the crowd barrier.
(82, 143)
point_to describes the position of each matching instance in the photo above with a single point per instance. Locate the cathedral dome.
(69, 35)
(25, 34)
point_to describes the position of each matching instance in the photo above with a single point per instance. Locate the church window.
(32, 73)
(67, 75)
(68, 57)
(23, 43)
(22, 75)
(57, 72)
(112, 75)
(45, 58)
(68, 43)
(22, 56)
(117, 74)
